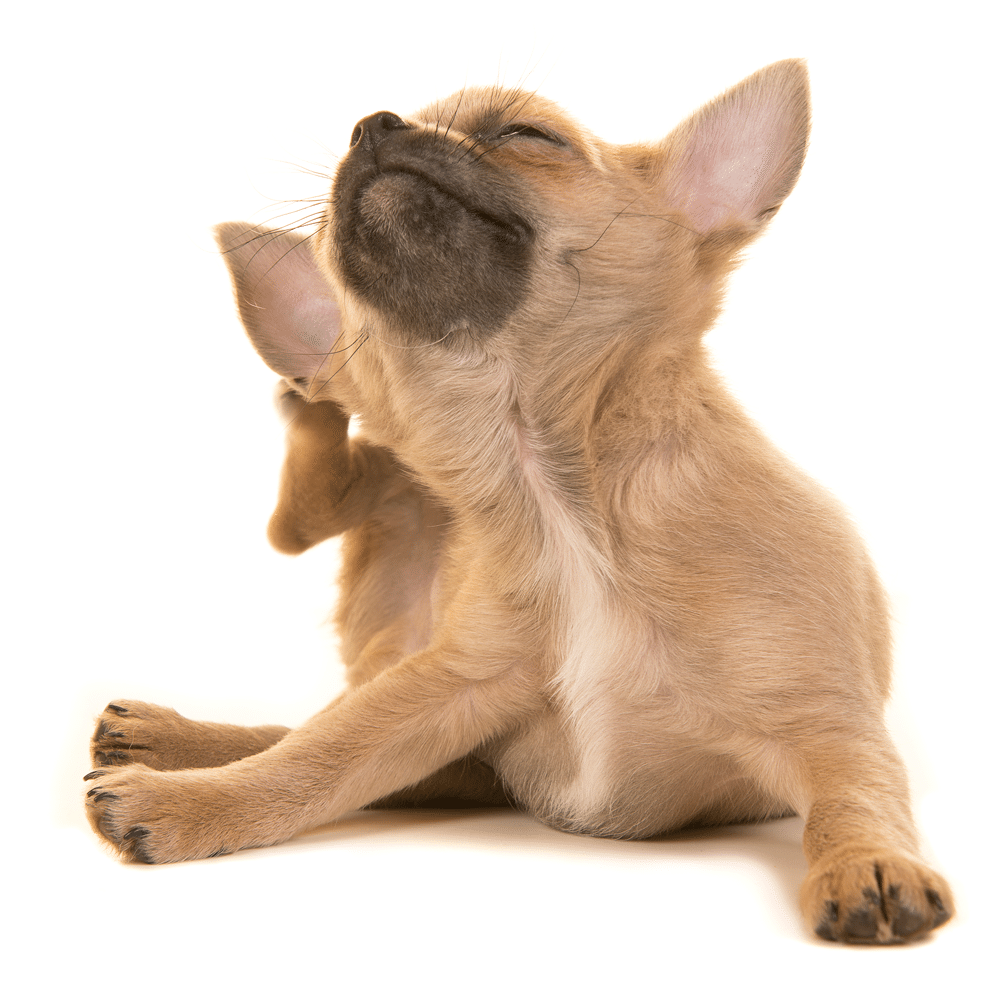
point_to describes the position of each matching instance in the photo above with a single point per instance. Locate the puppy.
(576, 577)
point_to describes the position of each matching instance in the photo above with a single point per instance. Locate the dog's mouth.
(399, 202)
(432, 239)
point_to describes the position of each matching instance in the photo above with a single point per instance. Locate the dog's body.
(576, 576)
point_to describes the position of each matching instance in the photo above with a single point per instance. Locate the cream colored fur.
(576, 576)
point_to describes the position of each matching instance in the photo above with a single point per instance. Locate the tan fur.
(576, 576)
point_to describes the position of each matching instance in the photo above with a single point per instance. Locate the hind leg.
(134, 732)
(867, 883)
(467, 780)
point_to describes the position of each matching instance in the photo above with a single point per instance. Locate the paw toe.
(133, 844)
(831, 914)
(862, 923)
(941, 910)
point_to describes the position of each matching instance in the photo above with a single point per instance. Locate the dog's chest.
(608, 664)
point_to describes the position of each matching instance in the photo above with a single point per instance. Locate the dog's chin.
(419, 216)
(430, 260)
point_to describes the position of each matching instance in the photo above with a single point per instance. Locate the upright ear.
(285, 303)
(731, 165)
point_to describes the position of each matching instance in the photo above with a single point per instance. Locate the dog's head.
(491, 230)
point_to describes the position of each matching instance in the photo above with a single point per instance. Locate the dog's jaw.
(429, 236)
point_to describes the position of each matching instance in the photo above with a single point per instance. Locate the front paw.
(133, 732)
(872, 897)
(152, 816)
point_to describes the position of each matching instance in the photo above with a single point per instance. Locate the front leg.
(387, 735)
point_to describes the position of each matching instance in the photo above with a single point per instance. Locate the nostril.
(373, 129)
(390, 122)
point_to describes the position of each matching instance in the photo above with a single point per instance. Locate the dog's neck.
(528, 447)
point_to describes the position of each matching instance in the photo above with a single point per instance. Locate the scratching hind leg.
(134, 732)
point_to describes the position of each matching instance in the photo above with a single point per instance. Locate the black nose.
(372, 130)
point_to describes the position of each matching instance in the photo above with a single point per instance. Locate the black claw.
(104, 795)
(103, 731)
(941, 912)
(825, 928)
(90, 775)
(117, 708)
(133, 840)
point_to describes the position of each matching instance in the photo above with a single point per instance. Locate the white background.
(142, 456)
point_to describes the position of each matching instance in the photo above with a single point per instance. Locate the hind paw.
(875, 898)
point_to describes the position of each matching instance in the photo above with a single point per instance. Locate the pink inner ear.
(285, 303)
(740, 155)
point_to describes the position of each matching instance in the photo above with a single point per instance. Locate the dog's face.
(483, 255)
(493, 210)
(493, 213)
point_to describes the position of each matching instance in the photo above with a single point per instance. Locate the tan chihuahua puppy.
(576, 576)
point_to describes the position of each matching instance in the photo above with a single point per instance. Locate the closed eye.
(521, 130)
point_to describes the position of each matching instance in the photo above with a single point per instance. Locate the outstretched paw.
(875, 898)
(109, 809)
(115, 740)
(135, 732)
(156, 817)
